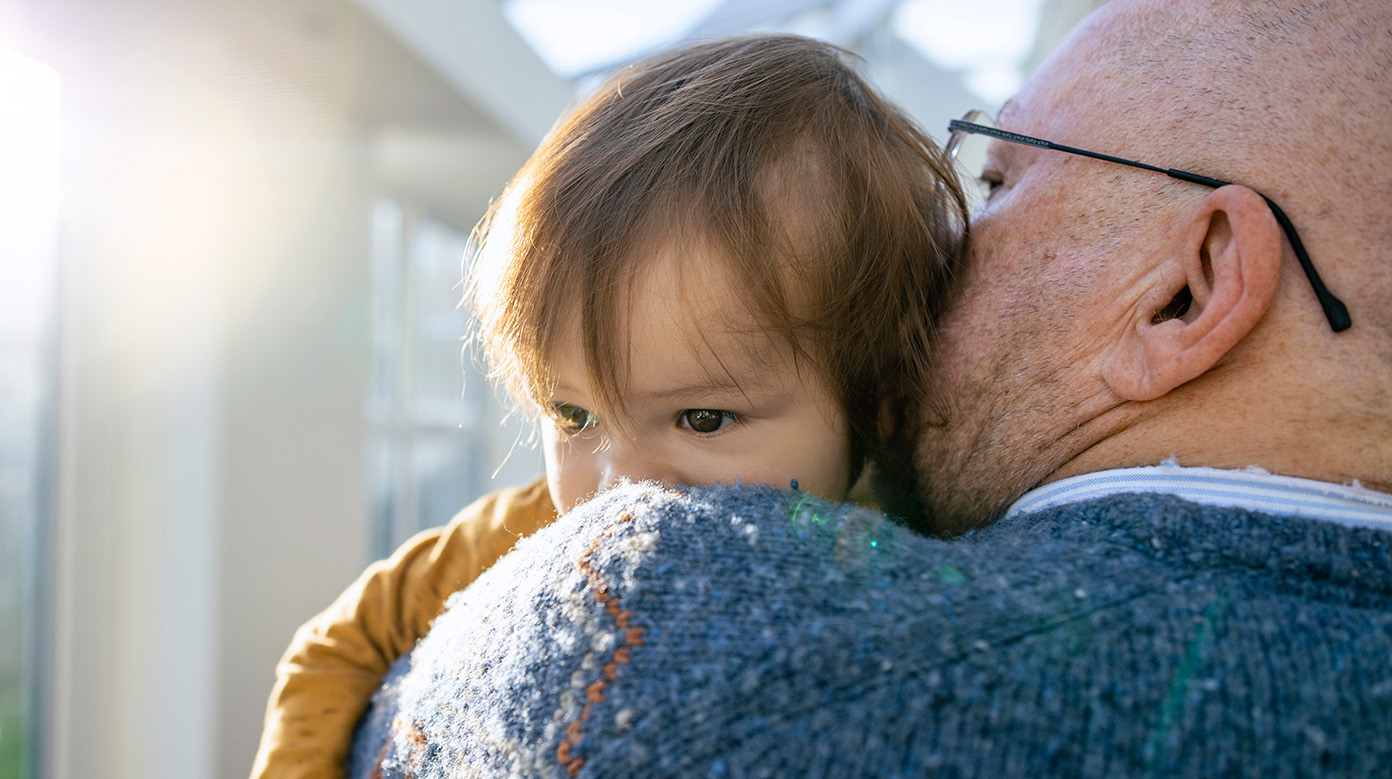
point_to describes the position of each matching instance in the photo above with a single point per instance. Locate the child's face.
(704, 404)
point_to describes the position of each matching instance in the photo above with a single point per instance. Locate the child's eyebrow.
(723, 386)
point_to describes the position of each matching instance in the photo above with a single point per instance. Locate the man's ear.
(1228, 256)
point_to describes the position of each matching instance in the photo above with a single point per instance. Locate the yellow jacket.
(337, 659)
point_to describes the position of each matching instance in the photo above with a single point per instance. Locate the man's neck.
(1340, 446)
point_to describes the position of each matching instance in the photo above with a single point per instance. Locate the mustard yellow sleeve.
(337, 659)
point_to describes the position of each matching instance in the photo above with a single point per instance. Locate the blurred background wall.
(231, 234)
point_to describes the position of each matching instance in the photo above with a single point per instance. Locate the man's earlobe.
(1228, 263)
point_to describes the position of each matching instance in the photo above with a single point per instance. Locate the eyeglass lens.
(968, 151)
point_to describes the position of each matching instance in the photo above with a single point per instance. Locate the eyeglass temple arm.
(1334, 309)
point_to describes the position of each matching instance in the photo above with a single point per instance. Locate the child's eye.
(572, 419)
(706, 420)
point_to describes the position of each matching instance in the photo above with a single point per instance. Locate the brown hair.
(840, 221)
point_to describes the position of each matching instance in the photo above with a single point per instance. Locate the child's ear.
(1228, 266)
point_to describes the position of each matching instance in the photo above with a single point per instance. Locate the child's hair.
(839, 221)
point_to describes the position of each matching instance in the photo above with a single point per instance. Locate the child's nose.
(628, 460)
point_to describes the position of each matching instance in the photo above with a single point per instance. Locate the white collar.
(1252, 488)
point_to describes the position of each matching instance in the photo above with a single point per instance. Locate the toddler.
(723, 265)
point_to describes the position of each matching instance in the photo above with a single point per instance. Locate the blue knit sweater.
(752, 632)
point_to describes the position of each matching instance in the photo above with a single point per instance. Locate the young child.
(723, 265)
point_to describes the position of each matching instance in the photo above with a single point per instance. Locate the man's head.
(1114, 317)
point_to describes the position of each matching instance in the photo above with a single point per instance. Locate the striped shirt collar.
(1252, 489)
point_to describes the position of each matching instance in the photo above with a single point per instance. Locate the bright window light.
(29, 138)
(576, 37)
(987, 41)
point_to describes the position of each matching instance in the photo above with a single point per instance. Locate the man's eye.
(572, 419)
(706, 420)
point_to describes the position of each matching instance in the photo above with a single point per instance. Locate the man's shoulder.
(737, 626)
(1205, 534)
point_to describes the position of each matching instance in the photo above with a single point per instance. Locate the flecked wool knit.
(752, 632)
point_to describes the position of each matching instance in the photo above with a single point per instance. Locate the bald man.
(1159, 443)
(1116, 317)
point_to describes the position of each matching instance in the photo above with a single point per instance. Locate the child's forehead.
(688, 322)
(687, 304)
(690, 280)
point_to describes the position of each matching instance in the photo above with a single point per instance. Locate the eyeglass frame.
(1334, 309)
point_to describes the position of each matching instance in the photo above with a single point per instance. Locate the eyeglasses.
(980, 123)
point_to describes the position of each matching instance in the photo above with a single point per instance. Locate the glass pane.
(439, 385)
(437, 430)
(388, 236)
(445, 478)
(29, 134)
(438, 328)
